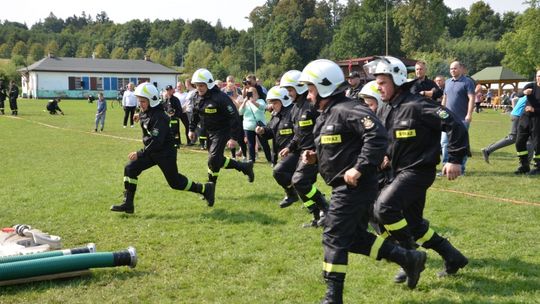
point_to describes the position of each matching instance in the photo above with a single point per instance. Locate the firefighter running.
(304, 175)
(414, 124)
(350, 144)
(158, 150)
(219, 117)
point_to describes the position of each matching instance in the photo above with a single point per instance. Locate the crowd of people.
(376, 144)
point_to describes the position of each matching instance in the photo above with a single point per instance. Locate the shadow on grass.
(238, 217)
(507, 279)
(89, 279)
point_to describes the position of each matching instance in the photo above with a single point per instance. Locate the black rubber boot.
(334, 292)
(411, 261)
(453, 258)
(290, 198)
(209, 193)
(536, 169)
(247, 169)
(322, 205)
(409, 244)
(127, 205)
(524, 165)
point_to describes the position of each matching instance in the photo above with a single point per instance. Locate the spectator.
(129, 102)
(101, 112)
(172, 106)
(478, 98)
(3, 96)
(423, 85)
(251, 81)
(253, 109)
(184, 103)
(13, 95)
(355, 86)
(235, 93)
(459, 98)
(439, 80)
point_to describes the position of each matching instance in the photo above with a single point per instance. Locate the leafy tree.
(102, 18)
(100, 51)
(118, 53)
(136, 53)
(19, 49)
(199, 30)
(289, 60)
(52, 47)
(84, 51)
(36, 52)
(456, 22)
(53, 24)
(362, 31)
(521, 47)
(133, 34)
(421, 22)
(482, 22)
(199, 55)
(69, 49)
(5, 50)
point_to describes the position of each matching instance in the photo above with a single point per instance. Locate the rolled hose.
(90, 248)
(67, 263)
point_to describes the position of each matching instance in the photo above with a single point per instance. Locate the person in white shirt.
(184, 117)
(129, 103)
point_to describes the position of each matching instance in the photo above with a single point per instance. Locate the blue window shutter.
(114, 83)
(86, 80)
(106, 83)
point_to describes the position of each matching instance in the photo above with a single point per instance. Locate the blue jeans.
(251, 139)
(444, 148)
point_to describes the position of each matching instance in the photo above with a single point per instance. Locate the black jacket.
(216, 112)
(157, 135)
(414, 125)
(303, 115)
(427, 85)
(533, 100)
(172, 106)
(280, 128)
(348, 135)
(13, 92)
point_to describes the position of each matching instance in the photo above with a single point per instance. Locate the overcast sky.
(230, 12)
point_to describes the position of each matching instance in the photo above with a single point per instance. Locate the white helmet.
(324, 74)
(388, 65)
(280, 94)
(148, 91)
(290, 79)
(371, 89)
(203, 76)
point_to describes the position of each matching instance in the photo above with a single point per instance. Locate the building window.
(75, 83)
(122, 83)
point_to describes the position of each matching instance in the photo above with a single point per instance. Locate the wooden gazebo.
(500, 75)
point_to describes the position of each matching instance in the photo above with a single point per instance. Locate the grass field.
(59, 176)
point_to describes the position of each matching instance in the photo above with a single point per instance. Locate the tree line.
(287, 34)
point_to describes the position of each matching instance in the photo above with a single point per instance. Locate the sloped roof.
(68, 64)
(497, 73)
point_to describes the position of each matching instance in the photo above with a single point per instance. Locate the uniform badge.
(443, 114)
(155, 132)
(367, 122)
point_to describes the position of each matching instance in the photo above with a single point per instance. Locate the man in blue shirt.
(459, 98)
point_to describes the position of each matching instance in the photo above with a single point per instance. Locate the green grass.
(60, 177)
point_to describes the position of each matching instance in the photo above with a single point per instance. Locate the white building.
(79, 77)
